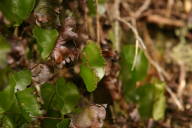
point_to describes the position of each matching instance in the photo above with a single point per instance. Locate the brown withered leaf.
(66, 50)
(92, 116)
(41, 74)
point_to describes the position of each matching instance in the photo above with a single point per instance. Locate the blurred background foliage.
(58, 58)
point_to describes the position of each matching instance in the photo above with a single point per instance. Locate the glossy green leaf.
(141, 66)
(6, 122)
(129, 77)
(48, 92)
(4, 49)
(92, 54)
(28, 103)
(7, 96)
(92, 68)
(17, 118)
(23, 79)
(151, 100)
(159, 101)
(145, 100)
(68, 93)
(46, 39)
(89, 77)
(17, 10)
(64, 123)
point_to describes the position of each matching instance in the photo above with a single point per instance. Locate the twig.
(97, 22)
(142, 8)
(46, 117)
(134, 31)
(135, 56)
(116, 26)
(153, 18)
(182, 82)
(161, 72)
(175, 99)
(169, 7)
(16, 31)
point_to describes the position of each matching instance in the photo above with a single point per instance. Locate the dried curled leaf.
(66, 50)
(41, 74)
(92, 116)
(45, 13)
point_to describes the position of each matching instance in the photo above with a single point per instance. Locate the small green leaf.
(141, 66)
(23, 79)
(159, 101)
(28, 103)
(129, 77)
(64, 123)
(6, 122)
(46, 39)
(4, 49)
(17, 10)
(92, 68)
(7, 96)
(17, 118)
(151, 100)
(159, 108)
(92, 54)
(145, 100)
(47, 92)
(68, 93)
(89, 77)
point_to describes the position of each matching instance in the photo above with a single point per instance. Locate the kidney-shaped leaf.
(151, 100)
(92, 54)
(23, 79)
(159, 101)
(17, 10)
(68, 93)
(7, 96)
(141, 65)
(46, 39)
(89, 77)
(28, 103)
(47, 92)
(92, 68)
(145, 100)
(4, 49)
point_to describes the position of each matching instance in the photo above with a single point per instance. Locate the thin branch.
(135, 56)
(116, 26)
(134, 31)
(46, 117)
(175, 99)
(153, 18)
(97, 22)
(182, 81)
(142, 8)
